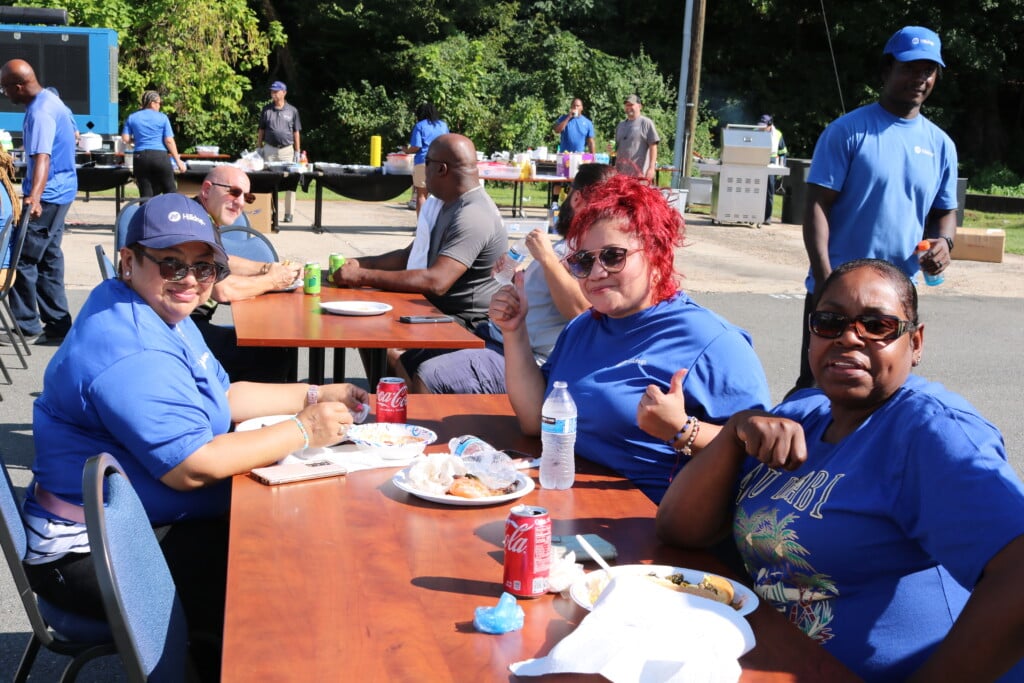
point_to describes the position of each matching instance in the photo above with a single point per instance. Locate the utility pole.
(689, 91)
(694, 95)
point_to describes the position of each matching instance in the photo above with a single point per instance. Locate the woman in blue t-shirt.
(149, 130)
(428, 127)
(878, 512)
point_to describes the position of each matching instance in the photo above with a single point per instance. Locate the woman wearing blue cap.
(135, 379)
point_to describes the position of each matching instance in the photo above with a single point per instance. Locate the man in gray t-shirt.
(278, 136)
(636, 142)
(466, 240)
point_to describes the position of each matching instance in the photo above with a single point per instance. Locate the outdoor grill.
(740, 179)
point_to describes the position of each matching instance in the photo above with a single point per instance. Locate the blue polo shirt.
(575, 134)
(50, 129)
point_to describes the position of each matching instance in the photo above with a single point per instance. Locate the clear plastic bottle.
(468, 445)
(929, 279)
(558, 439)
(513, 259)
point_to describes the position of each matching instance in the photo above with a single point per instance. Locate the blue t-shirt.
(148, 129)
(423, 133)
(127, 383)
(5, 212)
(608, 363)
(873, 545)
(574, 135)
(49, 128)
(889, 172)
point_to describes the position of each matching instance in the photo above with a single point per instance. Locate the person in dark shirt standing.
(278, 135)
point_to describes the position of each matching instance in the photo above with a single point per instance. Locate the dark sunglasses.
(237, 192)
(613, 260)
(828, 325)
(173, 270)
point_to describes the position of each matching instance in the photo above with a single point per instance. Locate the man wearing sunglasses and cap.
(277, 136)
(882, 177)
(225, 194)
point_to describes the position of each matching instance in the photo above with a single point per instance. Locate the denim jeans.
(38, 299)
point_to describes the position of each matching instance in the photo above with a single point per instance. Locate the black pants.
(806, 378)
(247, 363)
(197, 556)
(153, 173)
(769, 193)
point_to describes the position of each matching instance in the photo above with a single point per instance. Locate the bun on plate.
(712, 587)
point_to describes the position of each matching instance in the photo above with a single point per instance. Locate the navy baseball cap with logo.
(168, 220)
(915, 42)
(766, 120)
(278, 85)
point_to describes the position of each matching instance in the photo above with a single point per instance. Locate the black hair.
(427, 111)
(586, 177)
(905, 289)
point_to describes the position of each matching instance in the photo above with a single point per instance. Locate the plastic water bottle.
(553, 218)
(513, 259)
(929, 279)
(558, 439)
(468, 445)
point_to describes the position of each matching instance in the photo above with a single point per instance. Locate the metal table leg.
(316, 365)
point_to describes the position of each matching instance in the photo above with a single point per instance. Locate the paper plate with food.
(588, 589)
(391, 440)
(472, 481)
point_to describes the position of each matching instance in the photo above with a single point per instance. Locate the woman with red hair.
(653, 373)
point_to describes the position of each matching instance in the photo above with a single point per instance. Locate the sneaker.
(287, 218)
(46, 339)
(11, 339)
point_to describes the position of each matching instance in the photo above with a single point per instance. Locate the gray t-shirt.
(279, 125)
(632, 140)
(470, 230)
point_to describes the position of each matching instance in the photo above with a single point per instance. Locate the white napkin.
(639, 631)
(347, 454)
(424, 224)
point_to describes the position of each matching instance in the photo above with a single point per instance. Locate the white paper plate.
(745, 598)
(401, 480)
(290, 288)
(355, 307)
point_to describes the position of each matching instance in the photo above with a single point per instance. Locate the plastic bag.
(250, 161)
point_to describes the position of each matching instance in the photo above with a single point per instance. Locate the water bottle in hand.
(558, 439)
(513, 259)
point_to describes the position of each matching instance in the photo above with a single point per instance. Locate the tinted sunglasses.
(830, 325)
(613, 260)
(173, 270)
(236, 192)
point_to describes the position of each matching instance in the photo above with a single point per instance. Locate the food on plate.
(382, 435)
(710, 586)
(447, 474)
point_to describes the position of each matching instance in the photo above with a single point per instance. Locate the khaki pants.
(283, 154)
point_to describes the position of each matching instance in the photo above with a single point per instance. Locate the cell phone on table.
(412, 319)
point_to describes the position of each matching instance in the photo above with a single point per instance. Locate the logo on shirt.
(918, 149)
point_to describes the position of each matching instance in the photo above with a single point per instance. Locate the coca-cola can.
(392, 396)
(527, 551)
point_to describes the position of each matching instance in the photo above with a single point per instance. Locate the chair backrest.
(248, 243)
(70, 630)
(139, 594)
(121, 225)
(16, 240)
(107, 270)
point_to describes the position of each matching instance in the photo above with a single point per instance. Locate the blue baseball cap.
(168, 220)
(278, 85)
(915, 42)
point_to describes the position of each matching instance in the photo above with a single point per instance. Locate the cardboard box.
(259, 213)
(189, 188)
(979, 244)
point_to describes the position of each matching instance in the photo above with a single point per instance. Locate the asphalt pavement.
(971, 341)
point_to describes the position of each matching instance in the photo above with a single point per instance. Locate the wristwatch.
(949, 243)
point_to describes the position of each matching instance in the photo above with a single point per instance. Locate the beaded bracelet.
(689, 424)
(687, 450)
(302, 428)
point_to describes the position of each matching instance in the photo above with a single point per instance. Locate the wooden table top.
(349, 578)
(296, 319)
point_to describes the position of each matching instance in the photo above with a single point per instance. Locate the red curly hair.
(657, 226)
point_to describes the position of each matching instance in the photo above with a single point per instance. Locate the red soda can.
(392, 396)
(527, 551)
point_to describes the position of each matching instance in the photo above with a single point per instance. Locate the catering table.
(552, 183)
(350, 578)
(293, 319)
(260, 182)
(364, 183)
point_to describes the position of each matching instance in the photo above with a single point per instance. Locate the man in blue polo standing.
(575, 129)
(38, 299)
